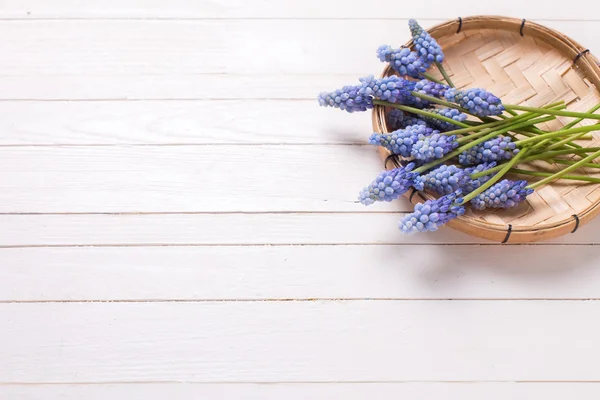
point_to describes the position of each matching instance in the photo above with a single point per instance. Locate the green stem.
(432, 78)
(496, 177)
(566, 144)
(441, 102)
(543, 156)
(526, 132)
(420, 112)
(544, 110)
(474, 128)
(467, 146)
(478, 134)
(542, 174)
(444, 73)
(578, 120)
(567, 151)
(541, 144)
(498, 123)
(554, 106)
(571, 125)
(551, 135)
(486, 128)
(553, 112)
(565, 171)
(569, 162)
(566, 140)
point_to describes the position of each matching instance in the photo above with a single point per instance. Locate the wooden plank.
(179, 122)
(186, 9)
(161, 48)
(231, 229)
(122, 87)
(193, 47)
(299, 272)
(200, 178)
(300, 391)
(162, 59)
(309, 341)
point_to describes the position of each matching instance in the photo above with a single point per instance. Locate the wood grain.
(299, 272)
(179, 122)
(199, 47)
(172, 87)
(187, 178)
(237, 196)
(232, 229)
(315, 341)
(165, 53)
(295, 9)
(314, 391)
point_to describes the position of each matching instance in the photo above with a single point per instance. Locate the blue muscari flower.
(504, 194)
(430, 88)
(426, 46)
(389, 185)
(398, 119)
(403, 61)
(393, 89)
(496, 149)
(349, 98)
(432, 214)
(360, 97)
(432, 147)
(472, 184)
(451, 113)
(401, 141)
(478, 101)
(443, 180)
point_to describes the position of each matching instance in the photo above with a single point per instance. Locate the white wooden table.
(178, 218)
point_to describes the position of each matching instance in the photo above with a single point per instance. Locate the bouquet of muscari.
(441, 150)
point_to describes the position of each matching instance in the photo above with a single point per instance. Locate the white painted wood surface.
(301, 341)
(313, 391)
(178, 218)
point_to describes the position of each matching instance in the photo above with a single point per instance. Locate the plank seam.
(184, 19)
(159, 382)
(117, 245)
(303, 300)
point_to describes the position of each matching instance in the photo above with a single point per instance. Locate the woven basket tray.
(522, 63)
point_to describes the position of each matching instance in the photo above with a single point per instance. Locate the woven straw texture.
(529, 64)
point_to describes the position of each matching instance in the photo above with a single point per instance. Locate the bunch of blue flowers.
(455, 145)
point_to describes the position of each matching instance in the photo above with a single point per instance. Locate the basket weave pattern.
(528, 64)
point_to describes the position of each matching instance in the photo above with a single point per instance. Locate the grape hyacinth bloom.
(478, 101)
(504, 194)
(426, 46)
(403, 61)
(430, 88)
(398, 119)
(443, 180)
(432, 147)
(471, 184)
(348, 98)
(496, 149)
(389, 185)
(393, 89)
(429, 216)
(451, 113)
(401, 141)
